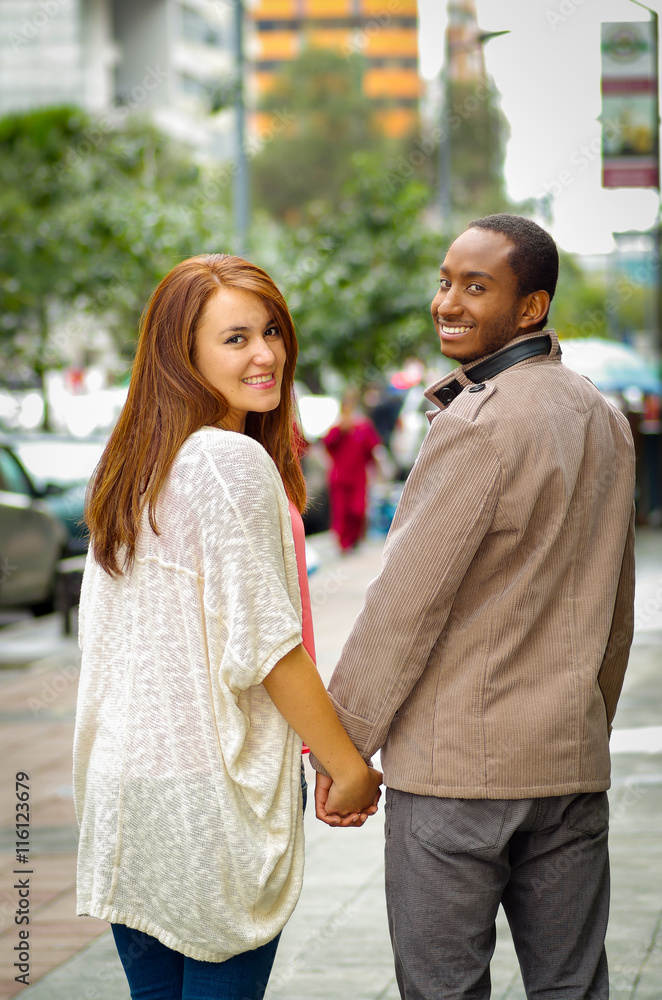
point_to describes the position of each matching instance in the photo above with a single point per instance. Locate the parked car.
(32, 539)
(59, 468)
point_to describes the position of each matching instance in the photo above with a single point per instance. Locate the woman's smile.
(267, 381)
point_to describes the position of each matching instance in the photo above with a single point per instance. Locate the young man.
(489, 656)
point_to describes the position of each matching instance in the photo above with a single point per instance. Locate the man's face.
(477, 309)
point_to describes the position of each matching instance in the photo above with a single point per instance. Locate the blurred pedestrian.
(384, 409)
(489, 657)
(195, 677)
(351, 443)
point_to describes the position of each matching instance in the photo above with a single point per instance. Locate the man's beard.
(496, 333)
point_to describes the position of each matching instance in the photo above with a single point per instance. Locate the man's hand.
(329, 802)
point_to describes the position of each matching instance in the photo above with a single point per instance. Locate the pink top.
(307, 637)
(300, 549)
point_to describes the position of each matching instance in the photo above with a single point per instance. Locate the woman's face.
(239, 349)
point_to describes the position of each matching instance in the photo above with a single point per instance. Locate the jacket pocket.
(457, 826)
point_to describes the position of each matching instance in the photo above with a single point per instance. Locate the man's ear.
(536, 308)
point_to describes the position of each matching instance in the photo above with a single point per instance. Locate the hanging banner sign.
(630, 126)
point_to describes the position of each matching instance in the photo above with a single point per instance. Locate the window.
(196, 29)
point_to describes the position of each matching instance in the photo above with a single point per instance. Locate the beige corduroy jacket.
(490, 653)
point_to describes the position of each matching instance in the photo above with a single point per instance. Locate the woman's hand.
(349, 800)
(298, 693)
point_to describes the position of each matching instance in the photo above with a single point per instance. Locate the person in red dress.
(350, 443)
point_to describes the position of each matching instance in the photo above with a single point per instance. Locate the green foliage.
(634, 308)
(578, 308)
(479, 131)
(359, 280)
(91, 217)
(358, 258)
(597, 306)
(321, 120)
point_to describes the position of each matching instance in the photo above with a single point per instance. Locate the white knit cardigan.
(186, 777)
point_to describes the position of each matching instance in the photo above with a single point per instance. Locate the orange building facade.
(383, 31)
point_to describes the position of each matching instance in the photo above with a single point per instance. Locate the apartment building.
(383, 31)
(171, 59)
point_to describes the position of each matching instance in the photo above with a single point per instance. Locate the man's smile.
(453, 331)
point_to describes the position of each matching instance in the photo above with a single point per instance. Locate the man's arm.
(446, 509)
(615, 660)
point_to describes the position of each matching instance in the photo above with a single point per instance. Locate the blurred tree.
(479, 132)
(31, 254)
(359, 280)
(580, 306)
(320, 119)
(356, 258)
(91, 217)
(633, 308)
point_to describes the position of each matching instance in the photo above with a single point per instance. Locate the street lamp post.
(241, 195)
(445, 139)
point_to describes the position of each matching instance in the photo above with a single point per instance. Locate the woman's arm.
(297, 691)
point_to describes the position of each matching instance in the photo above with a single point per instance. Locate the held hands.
(297, 691)
(347, 802)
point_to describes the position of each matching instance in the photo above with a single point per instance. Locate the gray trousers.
(451, 862)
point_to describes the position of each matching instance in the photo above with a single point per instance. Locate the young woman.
(195, 687)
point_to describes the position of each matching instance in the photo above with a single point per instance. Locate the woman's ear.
(537, 307)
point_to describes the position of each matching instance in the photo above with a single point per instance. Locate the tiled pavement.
(37, 711)
(336, 944)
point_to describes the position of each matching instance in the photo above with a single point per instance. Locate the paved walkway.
(336, 944)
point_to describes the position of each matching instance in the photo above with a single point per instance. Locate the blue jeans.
(156, 972)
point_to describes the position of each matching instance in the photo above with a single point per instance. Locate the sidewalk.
(336, 944)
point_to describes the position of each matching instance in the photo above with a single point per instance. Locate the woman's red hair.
(169, 399)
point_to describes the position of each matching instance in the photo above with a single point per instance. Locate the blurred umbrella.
(610, 365)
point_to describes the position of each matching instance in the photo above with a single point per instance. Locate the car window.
(12, 477)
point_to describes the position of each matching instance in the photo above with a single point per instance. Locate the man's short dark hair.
(534, 258)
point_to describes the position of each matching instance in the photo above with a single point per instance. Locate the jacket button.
(446, 396)
(478, 387)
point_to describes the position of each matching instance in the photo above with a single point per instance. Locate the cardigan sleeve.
(250, 590)
(446, 508)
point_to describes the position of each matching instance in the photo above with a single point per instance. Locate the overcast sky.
(548, 73)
